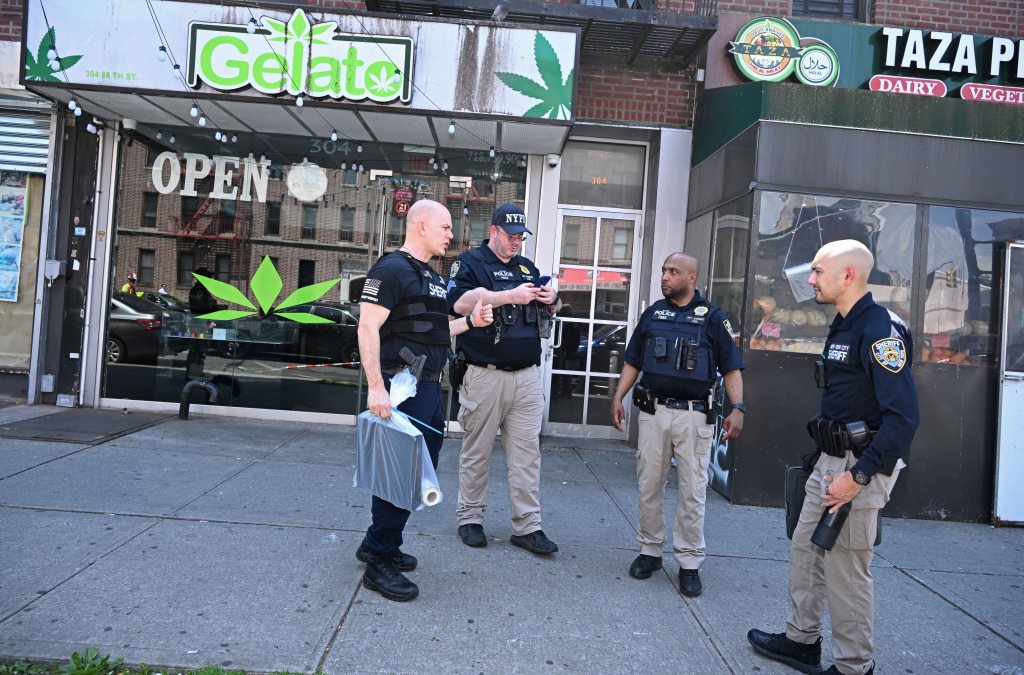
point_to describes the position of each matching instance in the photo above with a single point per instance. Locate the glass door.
(1009, 497)
(598, 256)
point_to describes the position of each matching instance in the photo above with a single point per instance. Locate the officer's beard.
(676, 294)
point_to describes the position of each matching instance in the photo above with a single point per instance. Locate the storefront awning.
(436, 83)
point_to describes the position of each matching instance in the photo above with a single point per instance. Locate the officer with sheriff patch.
(865, 378)
(680, 344)
(500, 384)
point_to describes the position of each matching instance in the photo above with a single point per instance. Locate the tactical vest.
(517, 321)
(677, 343)
(423, 317)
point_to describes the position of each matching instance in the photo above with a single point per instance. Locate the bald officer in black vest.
(680, 344)
(404, 304)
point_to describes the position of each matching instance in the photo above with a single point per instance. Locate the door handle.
(557, 342)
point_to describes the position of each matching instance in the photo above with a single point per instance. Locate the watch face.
(861, 478)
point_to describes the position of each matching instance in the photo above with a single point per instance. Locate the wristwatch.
(469, 321)
(861, 478)
(739, 406)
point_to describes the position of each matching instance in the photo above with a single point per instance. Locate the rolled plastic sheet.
(392, 462)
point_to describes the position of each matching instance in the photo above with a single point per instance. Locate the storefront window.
(791, 229)
(729, 259)
(698, 244)
(20, 215)
(323, 227)
(603, 175)
(963, 282)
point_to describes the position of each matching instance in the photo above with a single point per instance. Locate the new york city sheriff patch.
(700, 311)
(890, 354)
(455, 269)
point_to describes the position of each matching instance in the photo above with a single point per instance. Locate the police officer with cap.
(404, 305)
(866, 382)
(501, 388)
(680, 344)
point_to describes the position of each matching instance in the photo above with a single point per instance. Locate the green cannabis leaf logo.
(299, 29)
(40, 66)
(266, 286)
(385, 81)
(555, 95)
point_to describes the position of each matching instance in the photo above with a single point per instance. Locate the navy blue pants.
(384, 535)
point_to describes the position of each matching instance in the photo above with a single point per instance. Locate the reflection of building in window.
(222, 269)
(620, 243)
(186, 264)
(346, 232)
(307, 272)
(570, 241)
(309, 222)
(147, 261)
(273, 218)
(149, 207)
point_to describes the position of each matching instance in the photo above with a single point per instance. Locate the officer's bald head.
(839, 273)
(428, 229)
(847, 253)
(683, 261)
(679, 275)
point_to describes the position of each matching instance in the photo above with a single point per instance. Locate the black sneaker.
(473, 535)
(802, 657)
(644, 566)
(535, 542)
(832, 670)
(689, 583)
(403, 562)
(381, 576)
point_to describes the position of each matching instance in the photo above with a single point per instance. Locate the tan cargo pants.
(842, 575)
(514, 403)
(686, 435)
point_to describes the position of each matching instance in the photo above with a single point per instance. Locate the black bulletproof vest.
(677, 344)
(421, 318)
(517, 321)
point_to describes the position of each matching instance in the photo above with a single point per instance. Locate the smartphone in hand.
(543, 281)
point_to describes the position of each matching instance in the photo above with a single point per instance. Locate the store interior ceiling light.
(356, 126)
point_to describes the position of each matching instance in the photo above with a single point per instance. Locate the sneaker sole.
(363, 558)
(532, 549)
(788, 660)
(474, 544)
(387, 594)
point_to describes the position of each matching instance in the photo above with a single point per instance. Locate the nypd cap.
(510, 218)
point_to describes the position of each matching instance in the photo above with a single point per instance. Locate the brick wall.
(987, 17)
(642, 93)
(10, 19)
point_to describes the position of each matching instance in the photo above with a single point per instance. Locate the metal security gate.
(24, 140)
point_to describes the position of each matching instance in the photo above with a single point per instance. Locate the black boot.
(403, 562)
(381, 576)
(644, 565)
(802, 657)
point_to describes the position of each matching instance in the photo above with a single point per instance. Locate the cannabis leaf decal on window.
(40, 67)
(266, 286)
(555, 95)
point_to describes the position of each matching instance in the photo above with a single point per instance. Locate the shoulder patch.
(890, 353)
(455, 269)
(728, 326)
(524, 269)
(700, 311)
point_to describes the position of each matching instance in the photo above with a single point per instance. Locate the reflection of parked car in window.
(276, 337)
(133, 329)
(607, 339)
(176, 319)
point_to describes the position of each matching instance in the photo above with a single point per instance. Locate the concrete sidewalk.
(231, 542)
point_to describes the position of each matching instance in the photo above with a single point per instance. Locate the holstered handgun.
(544, 322)
(644, 399)
(456, 369)
(716, 399)
(415, 363)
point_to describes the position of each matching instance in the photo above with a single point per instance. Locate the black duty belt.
(836, 438)
(683, 404)
(424, 377)
(492, 366)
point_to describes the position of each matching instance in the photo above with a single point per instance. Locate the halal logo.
(770, 49)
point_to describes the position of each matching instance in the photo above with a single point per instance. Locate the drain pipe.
(186, 391)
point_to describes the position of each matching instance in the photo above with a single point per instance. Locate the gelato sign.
(301, 57)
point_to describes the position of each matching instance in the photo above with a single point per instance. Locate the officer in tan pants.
(866, 385)
(501, 388)
(680, 343)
